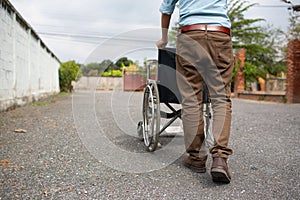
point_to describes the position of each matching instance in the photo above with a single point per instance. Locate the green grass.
(17, 116)
(62, 94)
(47, 101)
(1, 124)
(41, 103)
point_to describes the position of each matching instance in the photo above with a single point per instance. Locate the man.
(204, 53)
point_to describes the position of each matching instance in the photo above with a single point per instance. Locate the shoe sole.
(195, 169)
(219, 175)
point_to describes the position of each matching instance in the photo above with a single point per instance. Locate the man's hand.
(161, 44)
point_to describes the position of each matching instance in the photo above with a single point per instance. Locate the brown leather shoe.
(195, 164)
(219, 170)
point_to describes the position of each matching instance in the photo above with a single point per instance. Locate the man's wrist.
(164, 39)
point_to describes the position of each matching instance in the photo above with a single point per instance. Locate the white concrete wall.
(28, 69)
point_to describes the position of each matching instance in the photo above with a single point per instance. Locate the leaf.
(20, 131)
(5, 163)
(46, 193)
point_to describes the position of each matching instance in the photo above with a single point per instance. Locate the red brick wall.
(293, 72)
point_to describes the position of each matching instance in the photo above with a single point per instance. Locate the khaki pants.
(205, 56)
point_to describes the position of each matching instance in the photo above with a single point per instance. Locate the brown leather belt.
(204, 27)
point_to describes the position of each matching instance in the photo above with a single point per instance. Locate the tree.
(106, 65)
(68, 72)
(245, 33)
(263, 44)
(91, 69)
(96, 69)
(294, 30)
(123, 62)
(273, 61)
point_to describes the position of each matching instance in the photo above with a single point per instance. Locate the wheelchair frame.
(149, 129)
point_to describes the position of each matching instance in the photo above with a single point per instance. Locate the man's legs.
(211, 53)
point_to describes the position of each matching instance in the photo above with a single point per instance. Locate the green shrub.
(113, 73)
(68, 72)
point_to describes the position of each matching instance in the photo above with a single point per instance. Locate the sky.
(94, 30)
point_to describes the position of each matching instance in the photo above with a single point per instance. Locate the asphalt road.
(84, 146)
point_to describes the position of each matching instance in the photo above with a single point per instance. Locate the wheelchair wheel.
(151, 116)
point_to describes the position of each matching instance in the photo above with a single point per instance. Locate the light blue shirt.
(213, 12)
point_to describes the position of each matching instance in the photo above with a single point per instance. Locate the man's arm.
(165, 23)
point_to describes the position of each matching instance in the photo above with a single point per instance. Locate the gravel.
(51, 158)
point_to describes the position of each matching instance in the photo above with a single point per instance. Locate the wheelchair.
(164, 90)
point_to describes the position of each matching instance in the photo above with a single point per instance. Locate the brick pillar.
(239, 81)
(293, 72)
